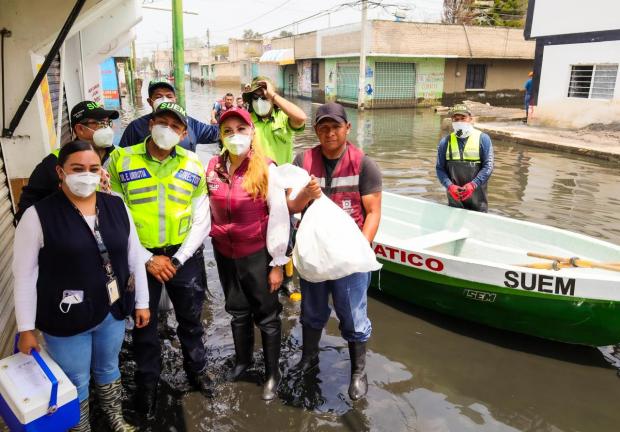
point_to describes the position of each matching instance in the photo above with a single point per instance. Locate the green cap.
(460, 109)
(173, 108)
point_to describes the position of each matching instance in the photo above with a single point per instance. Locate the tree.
(251, 34)
(501, 13)
(457, 11)
(220, 50)
(285, 33)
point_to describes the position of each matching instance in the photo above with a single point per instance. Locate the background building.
(576, 78)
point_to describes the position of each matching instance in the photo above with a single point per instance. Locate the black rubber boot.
(243, 336)
(201, 381)
(309, 351)
(271, 351)
(146, 399)
(359, 382)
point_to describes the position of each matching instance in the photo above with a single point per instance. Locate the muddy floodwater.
(426, 371)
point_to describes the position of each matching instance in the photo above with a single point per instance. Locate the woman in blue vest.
(79, 271)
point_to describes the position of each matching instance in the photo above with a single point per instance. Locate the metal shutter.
(7, 232)
(394, 85)
(53, 79)
(348, 76)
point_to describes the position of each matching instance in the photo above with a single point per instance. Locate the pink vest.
(238, 222)
(345, 189)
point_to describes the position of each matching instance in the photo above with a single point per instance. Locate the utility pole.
(177, 50)
(362, 77)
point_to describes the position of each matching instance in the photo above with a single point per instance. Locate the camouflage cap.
(460, 109)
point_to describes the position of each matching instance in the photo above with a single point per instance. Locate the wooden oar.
(577, 262)
(555, 265)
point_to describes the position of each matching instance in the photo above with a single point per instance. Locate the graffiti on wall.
(304, 78)
(429, 85)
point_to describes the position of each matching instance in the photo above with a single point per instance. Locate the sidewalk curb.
(582, 151)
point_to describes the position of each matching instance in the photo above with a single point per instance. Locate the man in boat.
(465, 162)
(160, 92)
(353, 181)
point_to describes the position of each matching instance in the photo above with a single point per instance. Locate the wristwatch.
(176, 263)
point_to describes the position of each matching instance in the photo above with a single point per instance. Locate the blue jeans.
(349, 299)
(96, 349)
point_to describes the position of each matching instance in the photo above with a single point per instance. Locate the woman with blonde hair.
(249, 230)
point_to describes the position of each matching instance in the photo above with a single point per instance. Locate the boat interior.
(417, 225)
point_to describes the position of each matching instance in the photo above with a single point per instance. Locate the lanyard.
(103, 250)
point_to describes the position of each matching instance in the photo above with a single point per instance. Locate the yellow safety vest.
(161, 207)
(471, 152)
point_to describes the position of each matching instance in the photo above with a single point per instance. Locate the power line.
(254, 18)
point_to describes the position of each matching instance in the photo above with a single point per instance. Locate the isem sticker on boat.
(541, 283)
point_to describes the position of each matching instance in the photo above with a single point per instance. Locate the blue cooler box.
(36, 395)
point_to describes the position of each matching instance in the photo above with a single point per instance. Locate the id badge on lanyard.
(111, 281)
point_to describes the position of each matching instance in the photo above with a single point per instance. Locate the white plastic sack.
(289, 176)
(329, 244)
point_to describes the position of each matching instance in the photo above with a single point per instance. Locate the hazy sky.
(226, 19)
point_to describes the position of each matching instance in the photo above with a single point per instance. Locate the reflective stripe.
(177, 200)
(321, 181)
(179, 189)
(141, 190)
(162, 213)
(346, 181)
(142, 200)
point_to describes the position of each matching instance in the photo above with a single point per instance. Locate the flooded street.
(426, 371)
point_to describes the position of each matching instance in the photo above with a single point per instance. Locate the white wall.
(554, 17)
(554, 105)
(104, 26)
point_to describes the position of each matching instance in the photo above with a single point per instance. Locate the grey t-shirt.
(370, 174)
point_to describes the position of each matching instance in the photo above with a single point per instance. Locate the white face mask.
(82, 184)
(462, 129)
(261, 107)
(104, 137)
(164, 137)
(161, 100)
(237, 144)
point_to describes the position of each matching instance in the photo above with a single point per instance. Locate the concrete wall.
(305, 46)
(504, 82)
(554, 105)
(244, 49)
(445, 40)
(273, 71)
(34, 25)
(227, 73)
(574, 16)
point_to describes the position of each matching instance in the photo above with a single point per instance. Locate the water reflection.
(427, 372)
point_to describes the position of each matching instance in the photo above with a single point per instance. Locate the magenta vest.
(238, 222)
(344, 191)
